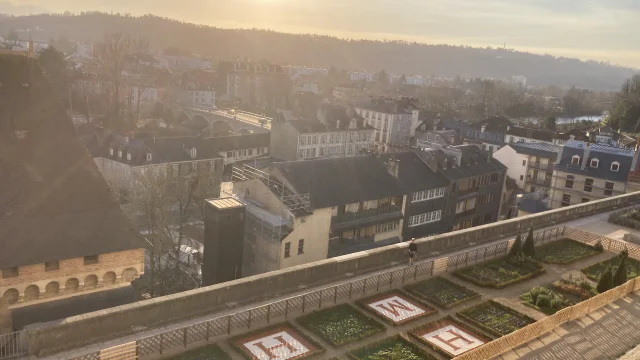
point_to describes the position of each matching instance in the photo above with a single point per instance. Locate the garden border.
(620, 218)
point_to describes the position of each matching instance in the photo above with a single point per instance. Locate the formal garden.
(392, 348)
(501, 272)
(628, 217)
(341, 325)
(442, 292)
(595, 271)
(495, 318)
(575, 290)
(209, 352)
(565, 251)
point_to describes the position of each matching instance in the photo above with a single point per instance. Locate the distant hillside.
(325, 51)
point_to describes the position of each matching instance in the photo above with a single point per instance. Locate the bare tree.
(111, 56)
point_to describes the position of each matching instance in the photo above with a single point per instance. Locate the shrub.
(528, 248)
(516, 249)
(543, 300)
(598, 246)
(606, 281)
(620, 277)
(535, 292)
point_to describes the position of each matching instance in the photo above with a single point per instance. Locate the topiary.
(606, 281)
(516, 249)
(528, 248)
(620, 277)
(598, 246)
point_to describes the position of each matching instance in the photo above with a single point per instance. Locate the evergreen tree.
(620, 277)
(528, 248)
(516, 249)
(606, 281)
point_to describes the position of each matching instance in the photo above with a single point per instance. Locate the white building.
(361, 76)
(530, 164)
(296, 71)
(202, 97)
(392, 119)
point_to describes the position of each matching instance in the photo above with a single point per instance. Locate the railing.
(351, 216)
(541, 166)
(13, 344)
(260, 316)
(541, 182)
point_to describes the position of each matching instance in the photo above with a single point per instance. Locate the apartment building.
(237, 148)
(530, 164)
(304, 211)
(361, 76)
(247, 81)
(337, 131)
(489, 134)
(197, 87)
(347, 93)
(516, 134)
(561, 138)
(436, 138)
(586, 172)
(392, 119)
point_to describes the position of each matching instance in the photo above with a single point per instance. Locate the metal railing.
(280, 310)
(350, 216)
(13, 344)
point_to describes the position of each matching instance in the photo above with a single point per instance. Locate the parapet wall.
(98, 326)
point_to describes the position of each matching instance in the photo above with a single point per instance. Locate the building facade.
(392, 120)
(530, 164)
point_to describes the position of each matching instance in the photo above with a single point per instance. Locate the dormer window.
(615, 166)
(193, 152)
(594, 163)
(111, 151)
(148, 157)
(575, 160)
(119, 153)
(129, 156)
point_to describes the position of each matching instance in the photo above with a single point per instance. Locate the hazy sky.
(589, 29)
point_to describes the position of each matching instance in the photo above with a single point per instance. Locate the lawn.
(341, 324)
(545, 300)
(393, 348)
(496, 318)
(564, 251)
(594, 271)
(442, 292)
(501, 272)
(209, 352)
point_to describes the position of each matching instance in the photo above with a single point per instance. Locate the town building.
(297, 71)
(145, 97)
(516, 134)
(604, 135)
(361, 76)
(488, 134)
(586, 172)
(530, 164)
(561, 138)
(437, 138)
(304, 211)
(237, 148)
(347, 94)
(392, 120)
(62, 233)
(197, 87)
(181, 63)
(248, 81)
(337, 131)
(306, 86)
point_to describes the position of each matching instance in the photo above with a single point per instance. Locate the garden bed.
(276, 338)
(545, 300)
(594, 271)
(501, 272)
(628, 217)
(442, 292)
(393, 348)
(496, 318)
(209, 352)
(449, 337)
(396, 307)
(564, 251)
(341, 325)
(577, 290)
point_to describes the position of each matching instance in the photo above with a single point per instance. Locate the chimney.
(586, 155)
(393, 166)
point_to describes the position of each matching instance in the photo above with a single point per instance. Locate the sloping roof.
(532, 206)
(54, 203)
(339, 181)
(578, 134)
(537, 134)
(537, 149)
(237, 142)
(308, 126)
(605, 154)
(495, 123)
(414, 173)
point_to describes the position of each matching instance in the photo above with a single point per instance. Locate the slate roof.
(340, 181)
(537, 149)
(54, 203)
(532, 206)
(414, 173)
(237, 142)
(473, 163)
(606, 155)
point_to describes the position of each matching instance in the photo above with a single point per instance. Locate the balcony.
(364, 218)
(539, 182)
(541, 166)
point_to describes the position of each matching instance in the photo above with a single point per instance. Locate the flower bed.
(396, 307)
(628, 217)
(545, 300)
(496, 318)
(442, 292)
(501, 272)
(583, 289)
(448, 337)
(209, 352)
(564, 251)
(341, 325)
(393, 348)
(594, 271)
(287, 341)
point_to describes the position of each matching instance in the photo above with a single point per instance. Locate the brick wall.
(72, 275)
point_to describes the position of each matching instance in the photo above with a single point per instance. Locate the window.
(521, 177)
(193, 152)
(119, 153)
(303, 140)
(51, 265)
(89, 260)
(566, 200)
(129, 156)
(594, 163)
(569, 182)
(111, 151)
(229, 154)
(588, 185)
(10, 272)
(287, 250)
(575, 160)
(250, 152)
(300, 246)
(494, 178)
(148, 157)
(524, 162)
(426, 218)
(608, 188)
(388, 226)
(615, 166)
(427, 195)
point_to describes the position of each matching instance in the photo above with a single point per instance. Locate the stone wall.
(90, 328)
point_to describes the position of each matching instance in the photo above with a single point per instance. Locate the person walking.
(413, 251)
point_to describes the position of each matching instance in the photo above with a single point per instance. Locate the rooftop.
(225, 203)
(601, 148)
(537, 149)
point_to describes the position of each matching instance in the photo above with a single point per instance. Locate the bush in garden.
(624, 253)
(598, 246)
(528, 248)
(606, 281)
(516, 249)
(535, 292)
(620, 277)
(556, 303)
(543, 300)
